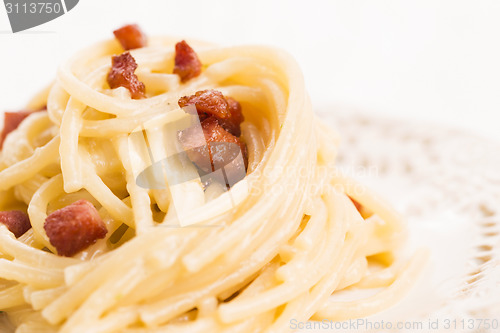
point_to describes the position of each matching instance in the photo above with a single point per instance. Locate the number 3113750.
(33, 8)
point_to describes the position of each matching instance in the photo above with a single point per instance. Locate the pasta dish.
(159, 185)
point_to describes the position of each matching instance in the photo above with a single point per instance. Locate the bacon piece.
(210, 102)
(16, 221)
(12, 120)
(363, 211)
(131, 37)
(122, 75)
(227, 110)
(233, 122)
(74, 228)
(187, 63)
(222, 151)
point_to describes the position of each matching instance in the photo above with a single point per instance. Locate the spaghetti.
(289, 237)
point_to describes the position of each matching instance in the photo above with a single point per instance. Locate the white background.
(433, 60)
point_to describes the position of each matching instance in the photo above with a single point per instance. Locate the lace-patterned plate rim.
(446, 182)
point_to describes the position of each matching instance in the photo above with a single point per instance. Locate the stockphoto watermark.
(26, 14)
(428, 325)
(170, 153)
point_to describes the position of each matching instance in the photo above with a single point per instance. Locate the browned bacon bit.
(16, 221)
(223, 147)
(227, 110)
(122, 75)
(363, 211)
(207, 101)
(130, 37)
(187, 63)
(11, 121)
(232, 124)
(74, 228)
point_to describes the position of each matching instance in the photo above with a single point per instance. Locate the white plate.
(446, 182)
